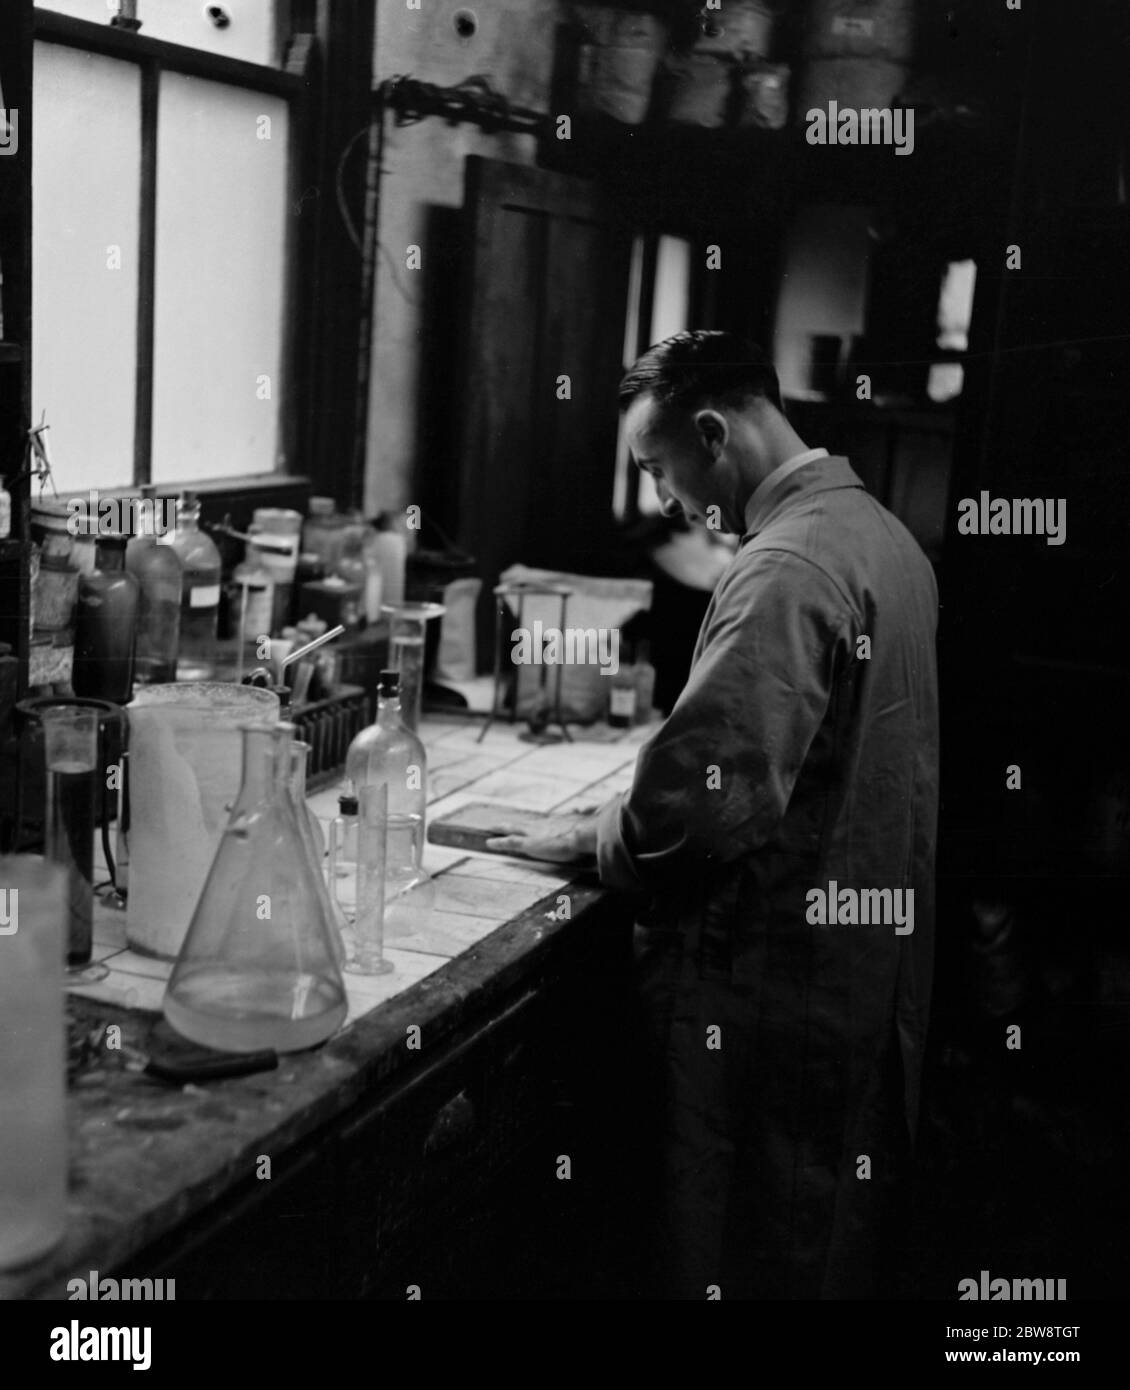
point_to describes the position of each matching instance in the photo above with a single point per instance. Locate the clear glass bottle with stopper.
(389, 753)
(258, 967)
(200, 593)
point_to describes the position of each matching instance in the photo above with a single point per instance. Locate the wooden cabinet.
(447, 1176)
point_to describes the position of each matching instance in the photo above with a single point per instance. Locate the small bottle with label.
(200, 594)
(622, 701)
(255, 590)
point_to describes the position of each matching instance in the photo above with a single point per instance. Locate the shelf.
(754, 171)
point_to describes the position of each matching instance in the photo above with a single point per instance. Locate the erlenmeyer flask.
(258, 967)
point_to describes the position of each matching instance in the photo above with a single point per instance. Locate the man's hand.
(576, 844)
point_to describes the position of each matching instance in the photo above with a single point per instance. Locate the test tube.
(367, 935)
(70, 749)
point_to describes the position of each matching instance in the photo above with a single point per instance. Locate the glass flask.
(389, 753)
(258, 968)
(314, 840)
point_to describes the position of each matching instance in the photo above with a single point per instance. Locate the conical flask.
(258, 967)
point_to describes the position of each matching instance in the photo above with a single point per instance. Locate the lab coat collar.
(813, 471)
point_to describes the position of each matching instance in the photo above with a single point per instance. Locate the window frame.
(152, 57)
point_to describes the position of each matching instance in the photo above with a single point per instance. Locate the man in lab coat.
(781, 826)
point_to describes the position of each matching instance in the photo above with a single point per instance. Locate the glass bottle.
(255, 603)
(157, 569)
(106, 625)
(389, 753)
(374, 582)
(623, 693)
(645, 683)
(323, 533)
(392, 550)
(200, 596)
(258, 967)
(351, 565)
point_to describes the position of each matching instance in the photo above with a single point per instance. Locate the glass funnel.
(258, 968)
(408, 624)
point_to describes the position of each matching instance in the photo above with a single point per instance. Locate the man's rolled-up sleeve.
(714, 781)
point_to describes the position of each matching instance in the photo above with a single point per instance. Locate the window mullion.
(146, 274)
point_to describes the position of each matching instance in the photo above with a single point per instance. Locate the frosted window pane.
(221, 231)
(955, 305)
(86, 166)
(671, 304)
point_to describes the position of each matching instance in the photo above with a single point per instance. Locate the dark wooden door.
(545, 296)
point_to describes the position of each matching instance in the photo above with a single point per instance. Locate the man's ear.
(713, 429)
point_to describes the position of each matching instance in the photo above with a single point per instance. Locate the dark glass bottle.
(158, 571)
(106, 625)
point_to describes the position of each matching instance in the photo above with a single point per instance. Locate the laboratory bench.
(371, 1166)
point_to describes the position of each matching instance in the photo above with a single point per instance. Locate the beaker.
(33, 1066)
(184, 774)
(70, 753)
(408, 624)
(258, 967)
(366, 937)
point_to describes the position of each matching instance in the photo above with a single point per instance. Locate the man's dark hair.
(691, 370)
